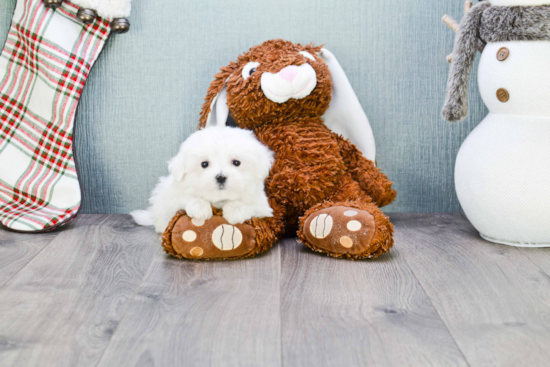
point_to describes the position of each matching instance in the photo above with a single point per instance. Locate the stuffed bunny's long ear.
(218, 110)
(345, 116)
(214, 110)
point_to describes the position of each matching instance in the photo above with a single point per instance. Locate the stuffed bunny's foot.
(346, 231)
(210, 239)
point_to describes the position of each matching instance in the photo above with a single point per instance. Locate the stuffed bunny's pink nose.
(289, 73)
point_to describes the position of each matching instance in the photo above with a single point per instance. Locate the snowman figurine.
(502, 172)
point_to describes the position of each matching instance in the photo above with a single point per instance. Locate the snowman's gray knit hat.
(487, 23)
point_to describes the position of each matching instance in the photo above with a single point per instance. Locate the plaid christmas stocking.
(46, 60)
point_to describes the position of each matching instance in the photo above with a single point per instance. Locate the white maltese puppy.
(224, 167)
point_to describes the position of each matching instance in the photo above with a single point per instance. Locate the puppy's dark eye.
(236, 163)
(252, 71)
(204, 164)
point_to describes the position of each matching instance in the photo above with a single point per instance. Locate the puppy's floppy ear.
(345, 116)
(214, 110)
(262, 159)
(178, 166)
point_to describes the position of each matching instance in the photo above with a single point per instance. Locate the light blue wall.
(144, 95)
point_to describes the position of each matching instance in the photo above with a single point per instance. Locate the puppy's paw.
(199, 209)
(264, 212)
(235, 213)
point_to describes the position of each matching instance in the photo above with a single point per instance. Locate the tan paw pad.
(189, 236)
(197, 222)
(321, 226)
(354, 225)
(346, 241)
(196, 251)
(227, 237)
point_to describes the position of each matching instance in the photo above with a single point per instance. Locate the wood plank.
(203, 314)
(539, 257)
(63, 308)
(358, 313)
(17, 250)
(494, 300)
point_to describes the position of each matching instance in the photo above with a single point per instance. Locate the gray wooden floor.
(102, 293)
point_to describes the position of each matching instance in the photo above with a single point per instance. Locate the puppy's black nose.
(221, 179)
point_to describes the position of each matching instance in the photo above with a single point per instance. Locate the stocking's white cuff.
(107, 8)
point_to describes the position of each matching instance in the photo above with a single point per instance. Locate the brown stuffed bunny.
(295, 98)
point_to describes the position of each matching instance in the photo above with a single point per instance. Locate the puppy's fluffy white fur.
(196, 175)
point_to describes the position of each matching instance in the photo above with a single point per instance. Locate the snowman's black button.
(503, 54)
(503, 95)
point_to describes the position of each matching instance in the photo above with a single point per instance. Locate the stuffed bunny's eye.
(249, 69)
(307, 55)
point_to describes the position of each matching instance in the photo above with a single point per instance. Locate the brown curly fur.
(167, 235)
(314, 167)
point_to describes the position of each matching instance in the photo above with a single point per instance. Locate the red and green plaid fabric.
(43, 68)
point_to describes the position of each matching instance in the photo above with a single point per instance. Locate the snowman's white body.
(502, 172)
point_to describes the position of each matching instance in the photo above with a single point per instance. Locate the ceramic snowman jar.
(502, 172)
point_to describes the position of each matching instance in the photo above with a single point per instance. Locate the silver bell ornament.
(53, 4)
(120, 25)
(87, 16)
